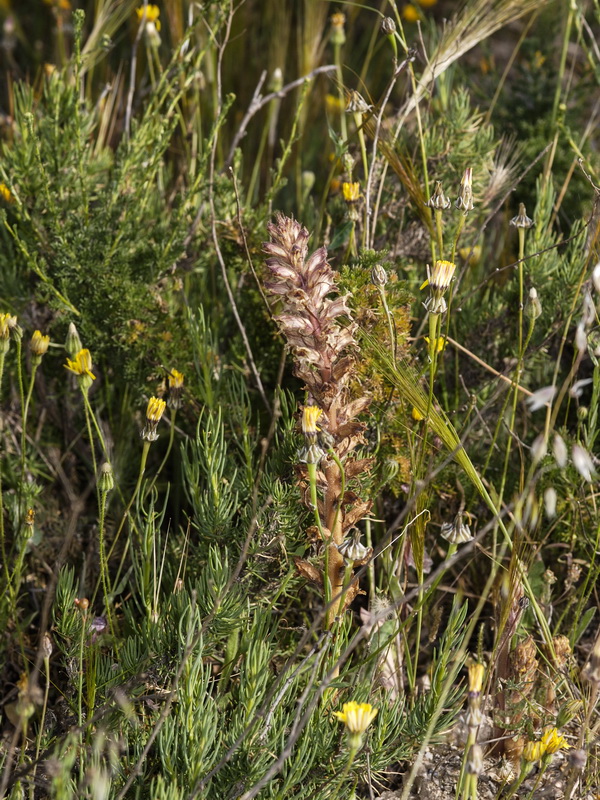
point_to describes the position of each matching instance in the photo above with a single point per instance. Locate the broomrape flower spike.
(81, 366)
(154, 412)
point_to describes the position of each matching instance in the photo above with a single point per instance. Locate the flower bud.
(338, 33)
(464, 201)
(533, 309)
(379, 275)
(388, 26)
(46, 646)
(73, 343)
(567, 712)
(276, 82)
(106, 480)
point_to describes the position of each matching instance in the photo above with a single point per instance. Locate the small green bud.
(379, 275)
(106, 480)
(276, 82)
(567, 712)
(533, 309)
(73, 343)
(338, 33)
(388, 26)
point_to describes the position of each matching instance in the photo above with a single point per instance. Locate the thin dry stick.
(245, 241)
(132, 70)
(259, 102)
(399, 69)
(487, 366)
(213, 218)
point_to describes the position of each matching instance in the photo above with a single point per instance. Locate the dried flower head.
(388, 26)
(464, 201)
(456, 532)
(7, 323)
(521, 220)
(356, 103)
(438, 199)
(352, 548)
(379, 276)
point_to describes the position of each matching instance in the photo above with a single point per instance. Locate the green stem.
(312, 478)
(167, 453)
(92, 416)
(390, 320)
(24, 424)
(104, 562)
(563, 61)
(342, 97)
(38, 743)
(438, 232)
(351, 756)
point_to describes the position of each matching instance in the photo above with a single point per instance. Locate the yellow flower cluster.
(550, 743)
(152, 14)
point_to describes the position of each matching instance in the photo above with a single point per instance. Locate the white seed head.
(583, 463)
(539, 448)
(550, 502)
(559, 450)
(541, 398)
(596, 277)
(581, 338)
